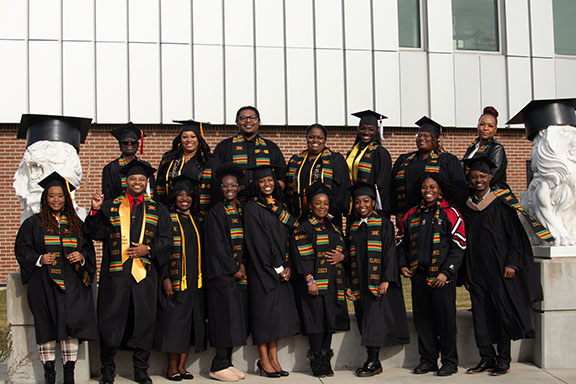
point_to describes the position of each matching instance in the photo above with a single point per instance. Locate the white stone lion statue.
(41, 159)
(551, 195)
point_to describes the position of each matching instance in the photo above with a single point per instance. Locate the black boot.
(326, 356)
(316, 363)
(69, 372)
(50, 372)
(372, 366)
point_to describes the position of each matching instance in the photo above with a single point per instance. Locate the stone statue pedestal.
(24, 365)
(555, 343)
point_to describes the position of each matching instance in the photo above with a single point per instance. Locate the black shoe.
(326, 367)
(500, 369)
(447, 370)
(264, 372)
(425, 368)
(483, 366)
(370, 368)
(316, 364)
(69, 372)
(141, 377)
(50, 372)
(107, 377)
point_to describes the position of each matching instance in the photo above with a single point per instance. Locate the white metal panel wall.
(14, 80)
(414, 87)
(209, 83)
(270, 85)
(13, 19)
(565, 79)
(299, 23)
(387, 86)
(331, 91)
(144, 83)
(467, 85)
(176, 21)
(238, 23)
(542, 28)
(519, 81)
(517, 27)
(177, 83)
(328, 23)
(44, 19)
(269, 23)
(300, 86)
(45, 77)
(207, 21)
(441, 75)
(439, 21)
(357, 24)
(78, 20)
(385, 25)
(494, 88)
(78, 85)
(359, 83)
(111, 20)
(240, 81)
(143, 20)
(112, 82)
(543, 78)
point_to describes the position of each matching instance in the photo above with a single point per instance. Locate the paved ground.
(519, 374)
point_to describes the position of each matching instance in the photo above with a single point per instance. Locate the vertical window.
(409, 23)
(565, 27)
(475, 25)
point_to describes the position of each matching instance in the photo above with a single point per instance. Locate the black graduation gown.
(496, 239)
(381, 320)
(272, 307)
(381, 176)
(126, 309)
(227, 300)
(223, 154)
(340, 201)
(112, 180)
(322, 313)
(496, 153)
(57, 314)
(450, 168)
(193, 168)
(181, 320)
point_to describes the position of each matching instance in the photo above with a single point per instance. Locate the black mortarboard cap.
(363, 189)
(426, 124)
(482, 164)
(191, 125)
(369, 117)
(184, 183)
(228, 169)
(539, 114)
(55, 179)
(127, 130)
(261, 171)
(136, 167)
(71, 130)
(317, 188)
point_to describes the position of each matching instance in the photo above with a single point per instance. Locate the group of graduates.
(254, 246)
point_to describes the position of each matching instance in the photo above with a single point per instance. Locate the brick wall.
(100, 148)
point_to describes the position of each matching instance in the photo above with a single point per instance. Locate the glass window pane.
(475, 25)
(409, 23)
(565, 27)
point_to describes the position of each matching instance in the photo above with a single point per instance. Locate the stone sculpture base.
(555, 343)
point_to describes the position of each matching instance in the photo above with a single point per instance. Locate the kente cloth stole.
(508, 198)
(321, 170)
(60, 246)
(177, 264)
(315, 246)
(233, 217)
(174, 170)
(432, 166)
(240, 152)
(282, 214)
(415, 222)
(205, 191)
(479, 152)
(120, 236)
(374, 247)
(361, 166)
(121, 163)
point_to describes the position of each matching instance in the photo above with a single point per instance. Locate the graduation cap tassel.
(201, 131)
(381, 129)
(378, 206)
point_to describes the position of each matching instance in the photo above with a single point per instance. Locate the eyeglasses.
(425, 136)
(251, 117)
(229, 186)
(129, 142)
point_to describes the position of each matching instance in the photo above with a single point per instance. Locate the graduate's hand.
(509, 272)
(282, 184)
(467, 284)
(97, 200)
(137, 250)
(313, 289)
(286, 273)
(75, 257)
(348, 294)
(383, 287)
(47, 258)
(334, 256)
(241, 274)
(439, 281)
(167, 287)
(406, 272)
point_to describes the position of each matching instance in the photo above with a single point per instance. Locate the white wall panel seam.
(160, 79)
(129, 114)
(315, 62)
(224, 111)
(372, 59)
(27, 56)
(254, 56)
(285, 53)
(95, 73)
(344, 69)
(193, 82)
(530, 47)
(61, 56)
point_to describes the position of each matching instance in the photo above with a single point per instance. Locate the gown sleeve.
(87, 250)
(389, 258)
(160, 248)
(219, 257)
(108, 182)
(26, 248)
(340, 203)
(383, 177)
(498, 157)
